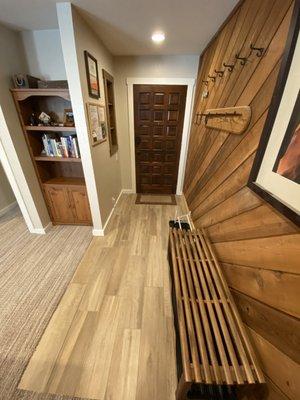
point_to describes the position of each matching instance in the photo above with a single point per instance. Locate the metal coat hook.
(229, 66)
(213, 78)
(259, 50)
(220, 73)
(205, 82)
(243, 59)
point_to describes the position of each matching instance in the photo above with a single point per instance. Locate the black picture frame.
(92, 76)
(267, 130)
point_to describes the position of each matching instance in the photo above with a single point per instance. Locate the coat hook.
(243, 59)
(229, 66)
(213, 78)
(259, 50)
(205, 82)
(220, 73)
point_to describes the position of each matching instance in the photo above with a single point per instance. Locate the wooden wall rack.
(61, 179)
(213, 347)
(230, 119)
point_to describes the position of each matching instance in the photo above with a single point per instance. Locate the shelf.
(50, 128)
(22, 94)
(58, 159)
(65, 181)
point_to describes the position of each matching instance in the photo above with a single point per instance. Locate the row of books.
(65, 146)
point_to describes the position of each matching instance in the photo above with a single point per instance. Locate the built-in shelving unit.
(61, 178)
(110, 111)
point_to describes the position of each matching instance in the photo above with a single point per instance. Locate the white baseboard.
(8, 208)
(101, 232)
(42, 231)
(127, 191)
(98, 232)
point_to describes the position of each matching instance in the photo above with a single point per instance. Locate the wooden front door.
(158, 122)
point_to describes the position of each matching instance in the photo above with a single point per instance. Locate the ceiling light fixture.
(158, 37)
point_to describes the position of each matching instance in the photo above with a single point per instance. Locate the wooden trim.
(276, 99)
(113, 148)
(23, 94)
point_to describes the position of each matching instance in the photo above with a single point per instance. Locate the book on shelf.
(64, 146)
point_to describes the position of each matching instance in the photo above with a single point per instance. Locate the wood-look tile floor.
(112, 335)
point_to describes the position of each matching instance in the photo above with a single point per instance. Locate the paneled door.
(158, 122)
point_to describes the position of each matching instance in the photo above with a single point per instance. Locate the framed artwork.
(97, 123)
(275, 174)
(91, 67)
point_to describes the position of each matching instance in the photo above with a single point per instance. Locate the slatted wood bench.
(212, 344)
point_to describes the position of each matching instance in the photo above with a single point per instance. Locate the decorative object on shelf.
(32, 82)
(62, 84)
(205, 94)
(33, 120)
(97, 123)
(275, 174)
(91, 66)
(68, 117)
(259, 50)
(228, 66)
(230, 119)
(20, 81)
(44, 118)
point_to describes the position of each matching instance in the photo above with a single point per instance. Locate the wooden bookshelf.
(110, 111)
(57, 159)
(61, 178)
(50, 128)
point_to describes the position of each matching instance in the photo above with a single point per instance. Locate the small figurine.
(32, 120)
(44, 118)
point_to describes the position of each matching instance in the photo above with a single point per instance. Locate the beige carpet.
(34, 273)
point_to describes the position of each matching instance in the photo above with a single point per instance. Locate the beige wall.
(106, 168)
(185, 66)
(6, 194)
(13, 61)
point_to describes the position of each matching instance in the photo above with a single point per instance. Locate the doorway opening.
(159, 112)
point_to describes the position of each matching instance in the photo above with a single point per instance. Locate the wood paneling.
(277, 327)
(258, 247)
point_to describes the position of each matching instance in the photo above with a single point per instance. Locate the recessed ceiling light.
(158, 37)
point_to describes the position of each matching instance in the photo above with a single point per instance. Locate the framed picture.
(97, 123)
(275, 174)
(68, 117)
(91, 67)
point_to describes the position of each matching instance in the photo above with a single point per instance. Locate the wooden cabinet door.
(59, 202)
(80, 205)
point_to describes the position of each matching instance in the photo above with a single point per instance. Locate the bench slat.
(214, 344)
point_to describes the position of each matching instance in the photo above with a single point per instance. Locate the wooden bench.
(213, 349)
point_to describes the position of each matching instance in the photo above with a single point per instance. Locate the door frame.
(190, 83)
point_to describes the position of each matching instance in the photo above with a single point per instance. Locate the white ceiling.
(125, 26)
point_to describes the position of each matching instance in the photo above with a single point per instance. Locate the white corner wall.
(43, 54)
(14, 153)
(102, 172)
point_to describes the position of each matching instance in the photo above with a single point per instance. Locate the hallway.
(112, 336)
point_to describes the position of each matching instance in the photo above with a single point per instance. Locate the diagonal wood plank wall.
(259, 249)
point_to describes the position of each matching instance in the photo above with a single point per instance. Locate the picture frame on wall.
(91, 66)
(275, 174)
(97, 123)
